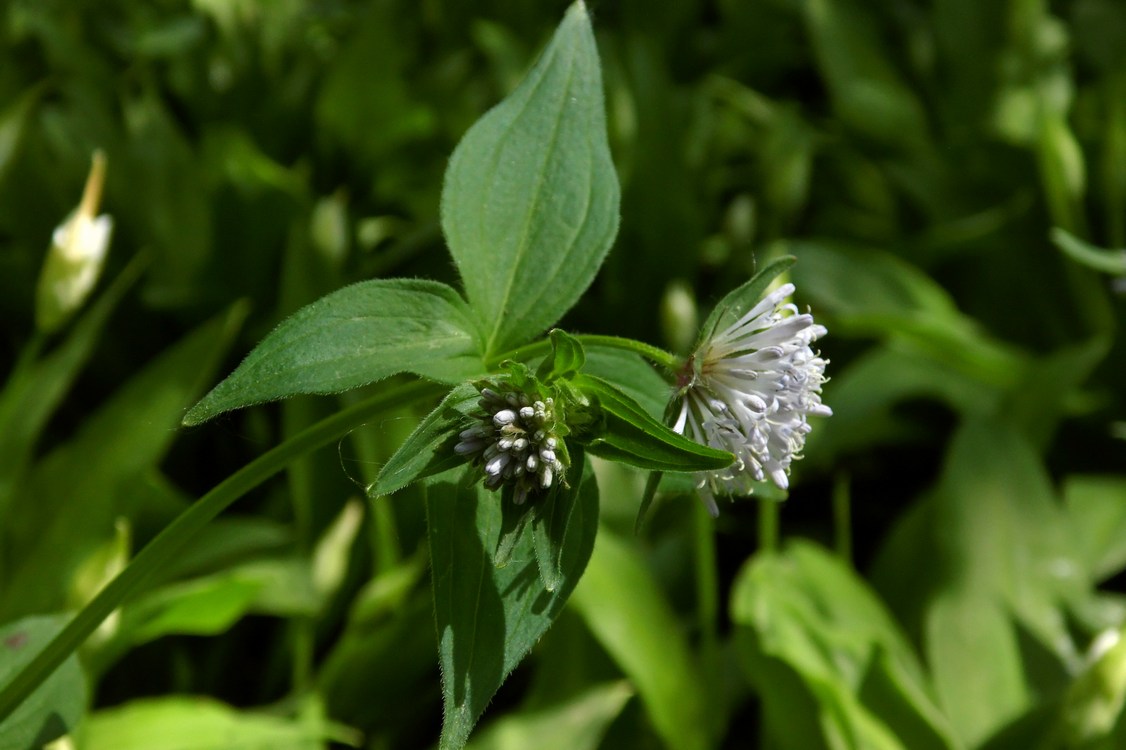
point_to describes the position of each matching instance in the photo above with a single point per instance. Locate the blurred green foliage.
(914, 156)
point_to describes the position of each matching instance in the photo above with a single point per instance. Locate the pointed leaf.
(530, 200)
(740, 300)
(633, 437)
(430, 448)
(489, 617)
(356, 335)
(566, 358)
(556, 519)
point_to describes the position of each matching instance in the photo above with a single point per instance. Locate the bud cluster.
(517, 440)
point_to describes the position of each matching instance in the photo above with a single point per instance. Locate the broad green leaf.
(489, 617)
(811, 623)
(740, 300)
(566, 357)
(430, 448)
(627, 612)
(632, 375)
(530, 199)
(975, 658)
(575, 724)
(868, 292)
(1096, 509)
(633, 437)
(356, 335)
(184, 723)
(58, 704)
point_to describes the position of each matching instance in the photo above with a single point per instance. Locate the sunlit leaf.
(530, 200)
(354, 336)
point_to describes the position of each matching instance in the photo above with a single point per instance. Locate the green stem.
(170, 542)
(768, 525)
(842, 517)
(543, 346)
(707, 595)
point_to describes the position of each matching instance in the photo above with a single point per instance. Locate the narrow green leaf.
(489, 617)
(566, 357)
(1098, 258)
(530, 200)
(1096, 510)
(356, 335)
(633, 437)
(629, 615)
(430, 448)
(556, 518)
(736, 303)
(57, 704)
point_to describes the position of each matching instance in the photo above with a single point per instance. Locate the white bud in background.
(77, 254)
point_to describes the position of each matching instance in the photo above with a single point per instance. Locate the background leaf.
(57, 705)
(530, 200)
(624, 608)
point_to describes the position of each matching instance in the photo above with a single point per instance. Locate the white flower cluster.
(515, 442)
(749, 389)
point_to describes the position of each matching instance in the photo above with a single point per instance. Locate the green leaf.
(182, 723)
(356, 335)
(76, 492)
(975, 656)
(631, 374)
(1096, 508)
(530, 199)
(556, 518)
(575, 724)
(566, 358)
(489, 617)
(1098, 258)
(430, 448)
(57, 704)
(736, 303)
(810, 623)
(627, 612)
(633, 437)
(32, 394)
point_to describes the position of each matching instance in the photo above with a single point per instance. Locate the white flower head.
(517, 440)
(749, 390)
